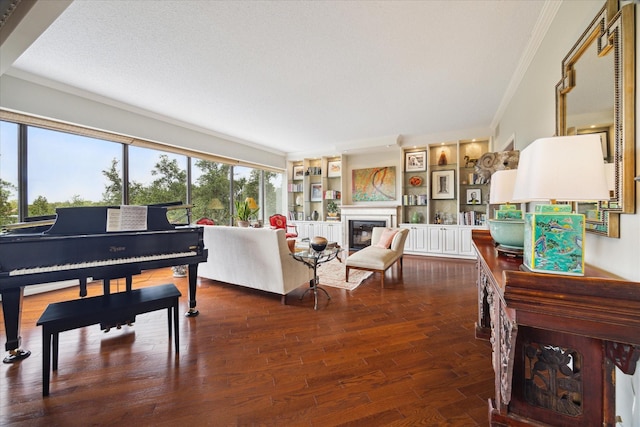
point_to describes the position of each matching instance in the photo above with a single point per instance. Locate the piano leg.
(12, 309)
(193, 279)
(83, 287)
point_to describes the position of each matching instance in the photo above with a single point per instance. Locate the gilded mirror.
(596, 95)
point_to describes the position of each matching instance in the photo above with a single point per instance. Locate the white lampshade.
(567, 168)
(501, 189)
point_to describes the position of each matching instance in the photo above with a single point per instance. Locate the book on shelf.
(471, 218)
(294, 188)
(414, 199)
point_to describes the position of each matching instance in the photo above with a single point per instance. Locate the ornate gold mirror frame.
(597, 95)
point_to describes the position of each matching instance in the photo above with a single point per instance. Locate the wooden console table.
(555, 340)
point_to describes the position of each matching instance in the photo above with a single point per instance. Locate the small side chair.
(280, 221)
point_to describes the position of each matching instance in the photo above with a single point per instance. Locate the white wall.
(389, 157)
(35, 99)
(531, 115)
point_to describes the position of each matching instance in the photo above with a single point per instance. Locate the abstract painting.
(373, 184)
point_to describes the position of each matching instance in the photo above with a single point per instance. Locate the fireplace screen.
(360, 233)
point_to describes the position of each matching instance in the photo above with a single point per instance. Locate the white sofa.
(256, 258)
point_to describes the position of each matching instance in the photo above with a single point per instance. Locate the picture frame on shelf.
(443, 184)
(334, 168)
(474, 196)
(298, 172)
(316, 192)
(415, 161)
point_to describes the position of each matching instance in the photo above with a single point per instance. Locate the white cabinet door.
(465, 246)
(408, 243)
(449, 240)
(416, 239)
(421, 241)
(442, 240)
(434, 242)
(305, 229)
(332, 231)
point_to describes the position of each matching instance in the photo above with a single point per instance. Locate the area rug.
(332, 274)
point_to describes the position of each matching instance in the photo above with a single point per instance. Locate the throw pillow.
(386, 238)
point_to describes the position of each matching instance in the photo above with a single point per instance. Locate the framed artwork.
(298, 172)
(316, 192)
(334, 168)
(415, 161)
(442, 184)
(373, 184)
(474, 196)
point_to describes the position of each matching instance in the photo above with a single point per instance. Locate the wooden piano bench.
(108, 310)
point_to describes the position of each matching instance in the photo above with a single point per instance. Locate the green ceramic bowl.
(507, 232)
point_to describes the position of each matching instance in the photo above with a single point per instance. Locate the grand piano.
(80, 244)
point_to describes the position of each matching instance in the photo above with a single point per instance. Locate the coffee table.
(313, 259)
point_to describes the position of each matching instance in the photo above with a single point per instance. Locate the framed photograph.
(415, 161)
(298, 172)
(443, 184)
(334, 168)
(474, 196)
(316, 192)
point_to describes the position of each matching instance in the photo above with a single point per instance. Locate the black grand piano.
(78, 246)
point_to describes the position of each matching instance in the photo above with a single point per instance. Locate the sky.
(62, 165)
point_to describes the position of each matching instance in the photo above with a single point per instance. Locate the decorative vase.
(416, 218)
(315, 215)
(319, 243)
(242, 223)
(443, 159)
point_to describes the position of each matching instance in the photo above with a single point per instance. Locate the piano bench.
(104, 309)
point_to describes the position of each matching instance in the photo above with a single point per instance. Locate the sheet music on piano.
(127, 218)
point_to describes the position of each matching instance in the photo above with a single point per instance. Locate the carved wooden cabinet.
(556, 340)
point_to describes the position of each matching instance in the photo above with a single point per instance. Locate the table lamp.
(507, 226)
(566, 168)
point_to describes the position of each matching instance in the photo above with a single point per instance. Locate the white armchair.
(387, 248)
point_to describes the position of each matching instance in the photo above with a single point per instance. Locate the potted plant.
(245, 210)
(332, 209)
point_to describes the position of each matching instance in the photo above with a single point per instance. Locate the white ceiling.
(295, 75)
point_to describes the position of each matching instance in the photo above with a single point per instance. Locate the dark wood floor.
(400, 356)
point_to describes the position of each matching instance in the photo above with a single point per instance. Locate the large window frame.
(24, 122)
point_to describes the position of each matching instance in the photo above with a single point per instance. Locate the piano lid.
(93, 220)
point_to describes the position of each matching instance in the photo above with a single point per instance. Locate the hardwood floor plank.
(400, 356)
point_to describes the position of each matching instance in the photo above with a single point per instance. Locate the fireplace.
(385, 215)
(360, 233)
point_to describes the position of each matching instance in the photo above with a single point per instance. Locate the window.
(246, 183)
(273, 193)
(157, 177)
(210, 191)
(68, 165)
(66, 170)
(8, 173)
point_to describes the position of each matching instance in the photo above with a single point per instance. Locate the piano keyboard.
(101, 263)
